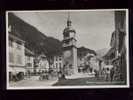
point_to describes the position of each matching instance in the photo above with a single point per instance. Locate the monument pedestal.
(80, 75)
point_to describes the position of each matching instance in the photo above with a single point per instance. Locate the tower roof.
(69, 20)
(69, 26)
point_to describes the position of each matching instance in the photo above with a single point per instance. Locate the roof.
(16, 38)
(29, 52)
(83, 49)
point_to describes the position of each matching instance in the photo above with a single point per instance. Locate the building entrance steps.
(80, 75)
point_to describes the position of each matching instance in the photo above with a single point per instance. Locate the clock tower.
(69, 49)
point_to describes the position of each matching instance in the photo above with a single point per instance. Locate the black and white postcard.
(63, 49)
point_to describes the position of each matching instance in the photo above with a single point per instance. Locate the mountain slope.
(102, 52)
(35, 40)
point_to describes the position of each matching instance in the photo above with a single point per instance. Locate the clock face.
(67, 53)
(72, 34)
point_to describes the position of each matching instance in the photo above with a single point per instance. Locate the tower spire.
(68, 16)
(68, 20)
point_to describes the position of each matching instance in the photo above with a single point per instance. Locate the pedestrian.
(112, 74)
(61, 73)
(107, 74)
(96, 73)
(28, 72)
(103, 73)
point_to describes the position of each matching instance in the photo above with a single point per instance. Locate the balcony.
(69, 44)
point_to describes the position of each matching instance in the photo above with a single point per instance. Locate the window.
(28, 58)
(10, 43)
(29, 65)
(56, 58)
(66, 34)
(18, 46)
(11, 57)
(56, 65)
(9, 28)
(19, 59)
(80, 54)
(72, 34)
(66, 42)
(60, 65)
(59, 57)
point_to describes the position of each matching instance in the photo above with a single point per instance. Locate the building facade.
(16, 55)
(83, 58)
(58, 63)
(29, 61)
(43, 64)
(117, 54)
(94, 63)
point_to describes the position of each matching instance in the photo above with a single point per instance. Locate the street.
(34, 81)
(86, 81)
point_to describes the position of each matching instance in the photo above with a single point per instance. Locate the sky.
(93, 28)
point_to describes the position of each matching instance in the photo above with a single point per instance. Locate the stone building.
(69, 49)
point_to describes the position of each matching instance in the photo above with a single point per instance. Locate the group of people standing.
(108, 73)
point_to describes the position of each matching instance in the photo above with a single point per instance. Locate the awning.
(108, 66)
